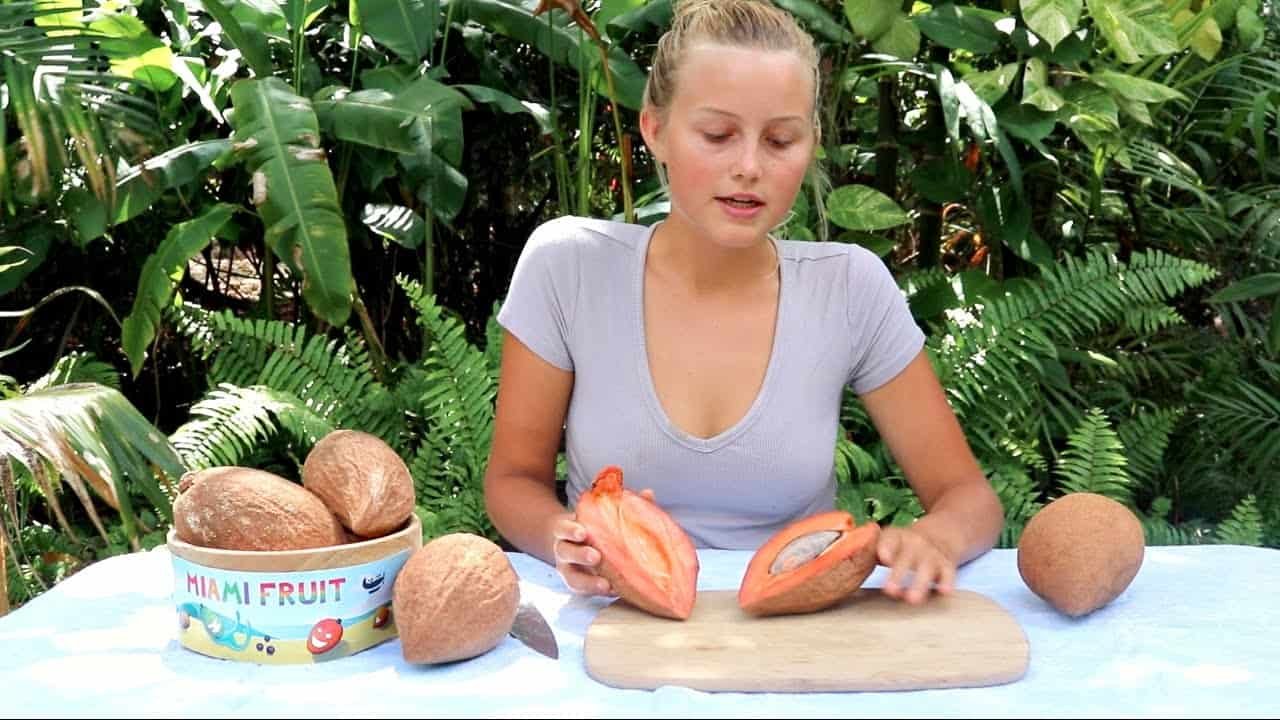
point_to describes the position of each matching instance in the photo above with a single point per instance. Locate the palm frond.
(92, 437)
(1252, 412)
(1145, 437)
(79, 367)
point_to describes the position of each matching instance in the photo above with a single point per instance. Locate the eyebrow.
(726, 113)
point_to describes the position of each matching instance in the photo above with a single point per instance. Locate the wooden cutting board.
(868, 642)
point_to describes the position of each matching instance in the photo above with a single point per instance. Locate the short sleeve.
(538, 307)
(885, 336)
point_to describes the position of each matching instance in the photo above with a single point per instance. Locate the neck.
(704, 266)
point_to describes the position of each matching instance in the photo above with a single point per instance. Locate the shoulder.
(846, 261)
(575, 235)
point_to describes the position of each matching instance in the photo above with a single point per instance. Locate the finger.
(947, 579)
(583, 582)
(925, 575)
(576, 554)
(571, 531)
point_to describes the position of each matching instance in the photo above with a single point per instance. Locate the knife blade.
(532, 629)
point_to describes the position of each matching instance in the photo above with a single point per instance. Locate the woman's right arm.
(519, 482)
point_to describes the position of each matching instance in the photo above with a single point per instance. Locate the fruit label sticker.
(285, 617)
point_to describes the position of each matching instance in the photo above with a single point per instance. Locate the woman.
(707, 359)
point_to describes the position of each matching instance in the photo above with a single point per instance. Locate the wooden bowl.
(288, 606)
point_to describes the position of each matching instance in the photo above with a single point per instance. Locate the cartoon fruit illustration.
(324, 636)
(455, 598)
(811, 564)
(362, 480)
(382, 615)
(1079, 552)
(645, 555)
(238, 508)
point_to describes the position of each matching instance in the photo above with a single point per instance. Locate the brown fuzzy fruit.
(811, 564)
(645, 555)
(1081, 551)
(237, 508)
(362, 480)
(455, 598)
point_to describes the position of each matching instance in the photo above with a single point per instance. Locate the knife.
(532, 629)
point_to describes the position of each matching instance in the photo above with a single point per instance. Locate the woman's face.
(736, 139)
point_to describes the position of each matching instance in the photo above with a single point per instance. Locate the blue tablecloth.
(1197, 633)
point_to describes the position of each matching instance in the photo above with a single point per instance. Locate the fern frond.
(1244, 527)
(230, 422)
(1094, 460)
(1253, 415)
(334, 378)
(493, 341)
(1020, 499)
(456, 403)
(1145, 437)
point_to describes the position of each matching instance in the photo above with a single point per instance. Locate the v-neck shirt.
(576, 299)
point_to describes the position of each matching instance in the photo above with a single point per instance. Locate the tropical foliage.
(229, 227)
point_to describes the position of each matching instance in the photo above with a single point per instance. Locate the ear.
(650, 124)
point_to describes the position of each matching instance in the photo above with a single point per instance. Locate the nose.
(747, 163)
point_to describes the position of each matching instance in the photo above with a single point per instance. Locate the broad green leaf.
(277, 134)
(1135, 109)
(1224, 13)
(1254, 286)
(991, 85)
(1273, 333)
(1135, 88)
(651, 14)
(610, 9)
(72, 12)
(1090, 108)
(420, 117)
(396, 223)
(509, 104)
(1025, 122)
(252, 45)
(878, 244)
(139, 186)
(901, 41)
(1252, 29)
(1036, 90)
(959, 29)
(1007, 218)
(564, 45)
(407, 27)
(872, 18)
(1052, 20)
(161, 274)
(861, 207)
(436, 183)
(942, 180)
(1134, 30)
(36, 242)
(1206, 40)
(134, 52)
(816, 18)
(301, 13)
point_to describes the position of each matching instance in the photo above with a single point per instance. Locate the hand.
(913, 558)
(576, 560)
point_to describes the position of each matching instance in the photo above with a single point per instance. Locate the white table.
(1197, 634)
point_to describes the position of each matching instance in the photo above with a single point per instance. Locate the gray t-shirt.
(576, 299)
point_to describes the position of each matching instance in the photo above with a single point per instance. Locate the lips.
(741, 200)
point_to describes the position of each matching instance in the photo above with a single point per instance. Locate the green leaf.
(1273, 333)
(277, 133)
(1052, 20)
(564, 45)
(942, 180)
(301, 13)
(1025, 122)
(1206, 41)
(1254, 286)
(161, 274)
(959, 29)
(901, 41)
(1135, 88)
(1134, 30)
(860, 207)
(816, 18)
(872, 18)
(653, 14)
(1252, 29)
(406, 27)
(134, 52)
(509, 104)
(436, 183)
(878, 244)
(1007, 219)
(991, 85)
(425, 115)
(1036, 90)
(252, 45)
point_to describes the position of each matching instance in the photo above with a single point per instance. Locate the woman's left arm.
(963, 516)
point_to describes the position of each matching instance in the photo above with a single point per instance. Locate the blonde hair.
(755, 24)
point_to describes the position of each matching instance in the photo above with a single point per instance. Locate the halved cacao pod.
(645, 555)
(809, 565)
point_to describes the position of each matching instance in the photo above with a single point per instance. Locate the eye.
(715, 137)
(780, 143)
